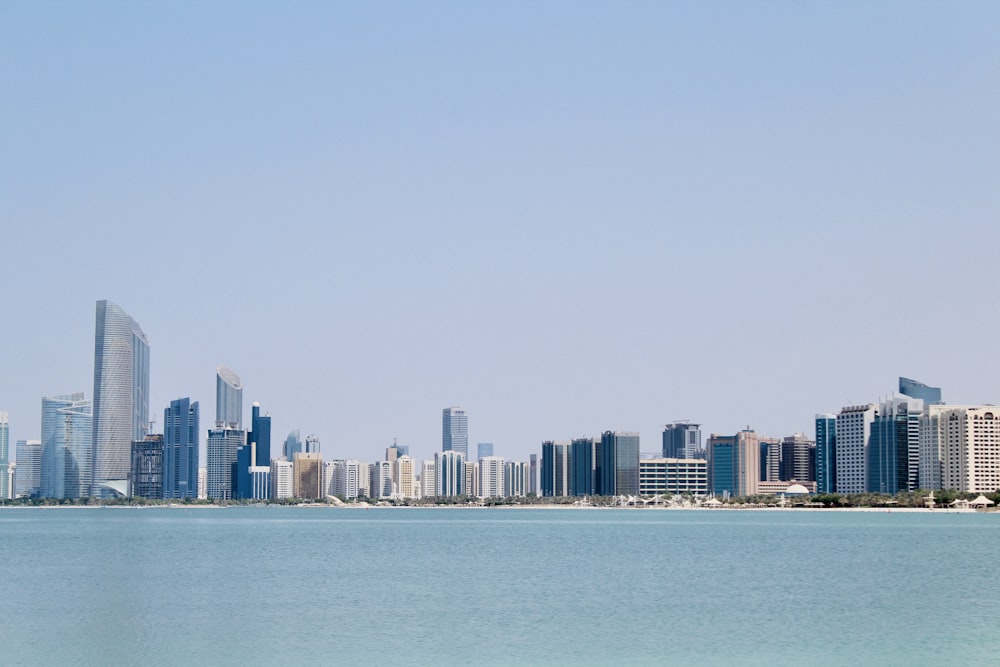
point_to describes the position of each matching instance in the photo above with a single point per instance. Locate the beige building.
(971, 449)
(307, 475)
(405, 481)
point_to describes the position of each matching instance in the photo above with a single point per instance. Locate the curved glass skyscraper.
(228, 398)
(67, 446)
(121, 396)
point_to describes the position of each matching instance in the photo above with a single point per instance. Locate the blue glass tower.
(260, 433)
(826, 453)
(619, 464)
(180, 449)
(913, 389)
(67, 444)
(455, 431)
(582, 460)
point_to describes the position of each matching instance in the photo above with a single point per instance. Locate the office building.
(854, 429)
(449, 473)
(293, 445)
(734, 463)
(670, 477)
(281, 479)
(515, 478)
(826, 453)
(533, 487)
(146, 474)
(933, 439)
(11, 476)
(181, 429)
(491, 477)
(121, 398)
(347, 479)
(312, 444)
(260, 435)
(67, 446)
(556, 479)
(914, 389)
(894, 447)
(455, 431)
(681, 440)
(472, 478)
(484, 449)
(307, 476)
(798, 458)
(5, 489)
(619, 464)
(223, 446)
(584, 455)
(29, 469)
(228, 398)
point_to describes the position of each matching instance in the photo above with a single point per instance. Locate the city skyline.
(368, 234)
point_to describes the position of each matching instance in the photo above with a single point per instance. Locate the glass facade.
(67, 423)
(228, 398)
(121, 394)
(681, 440)
(455, 431)
(619, 464)
(180, 449)
(914, 389)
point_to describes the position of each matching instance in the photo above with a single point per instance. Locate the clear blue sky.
(566, 217)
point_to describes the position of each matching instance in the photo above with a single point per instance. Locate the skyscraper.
(913, 389)
(734, 463)
(180, 449)
(894, 449)
(307, 476)
(29, 468)
(619, 464)
(826, 453)
(121, 397)
(67, 446)
(557, 469)
(293, 444)
(228, 398)
(146, 476)
(260, 433)
(223, 445)
(4, 453)
(584, 454)
(484, 449)
(681, 440)
(449, 473)
(491, 477)
(854, 428)
(455, 431)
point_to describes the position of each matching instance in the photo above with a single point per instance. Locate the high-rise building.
(515, 478)
(933, 439)
(181, 429)
(455, 431)
(428, 479)
(228, 398)
(5, 490)
(584, 455)
(484, 449)
(146, 475)
(681, 440)
(260, 434)
(472, 478)
(894, 447)
(914, 389)
(380, 480)
(557, 469)
(798, 458)
(533, 474)
(121, 397)
(312, 444)
(347, 478)
(971, 449)
(293, 445)
(734, 463)
(405, 479)
(67, 446)
(281, 479)
(223, 445)
(29, 468)
(449, 473)
(307, 476)
(826, 453)
(11, 476)
(619, 464)
(854, 429)
(491, 477)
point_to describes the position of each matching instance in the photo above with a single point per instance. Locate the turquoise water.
(275, 585)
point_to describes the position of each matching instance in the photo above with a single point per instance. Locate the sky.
(565, 217)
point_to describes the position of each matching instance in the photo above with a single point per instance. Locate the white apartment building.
(854, 427)
(491, 477)
(281, 478)
(428, 480)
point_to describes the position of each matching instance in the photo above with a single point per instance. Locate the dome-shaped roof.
(796, 490)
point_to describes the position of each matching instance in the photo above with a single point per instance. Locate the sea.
(497, 586)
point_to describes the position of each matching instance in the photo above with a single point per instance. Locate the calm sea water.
(273, 585)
